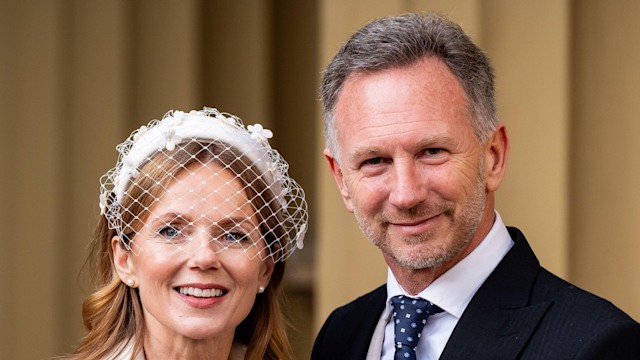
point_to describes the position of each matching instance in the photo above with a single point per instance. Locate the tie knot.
(417, 306)
(410, 315)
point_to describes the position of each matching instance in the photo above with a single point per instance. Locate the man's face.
(411, 168)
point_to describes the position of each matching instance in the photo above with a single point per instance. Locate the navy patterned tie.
(410, 315)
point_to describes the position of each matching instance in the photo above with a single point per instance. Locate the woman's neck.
(186, 349)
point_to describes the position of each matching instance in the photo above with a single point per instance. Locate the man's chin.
(421, 263)
(418, 256)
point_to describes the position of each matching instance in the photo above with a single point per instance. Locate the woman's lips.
(201, 293)
(201, 296)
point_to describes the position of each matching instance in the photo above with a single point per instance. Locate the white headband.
(177, 126)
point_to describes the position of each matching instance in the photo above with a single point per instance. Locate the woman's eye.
(234, 236)
(169, 232)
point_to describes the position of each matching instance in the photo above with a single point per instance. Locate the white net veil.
(203, 180)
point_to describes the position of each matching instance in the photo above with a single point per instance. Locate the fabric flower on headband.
(228, 120)
(137, 134)
(259, 133)
(171, 139)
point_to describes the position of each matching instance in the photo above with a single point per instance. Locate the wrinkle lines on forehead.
(206, 191)
(208, 184)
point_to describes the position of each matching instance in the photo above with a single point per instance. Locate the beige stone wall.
(605, 158)
(76, 77)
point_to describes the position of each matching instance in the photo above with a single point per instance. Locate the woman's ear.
(266, 270)
(123, 261)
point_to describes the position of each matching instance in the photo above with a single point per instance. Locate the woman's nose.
(205, 253)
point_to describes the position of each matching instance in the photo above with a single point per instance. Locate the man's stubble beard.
(435, 254)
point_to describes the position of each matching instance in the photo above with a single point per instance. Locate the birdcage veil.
(203, 174)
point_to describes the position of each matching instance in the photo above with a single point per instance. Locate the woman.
(199, 216)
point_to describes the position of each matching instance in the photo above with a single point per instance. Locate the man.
(417, 151)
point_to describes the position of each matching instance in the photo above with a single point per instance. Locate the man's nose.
(409, 185)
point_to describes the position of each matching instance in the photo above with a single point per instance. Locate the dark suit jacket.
(522, 311)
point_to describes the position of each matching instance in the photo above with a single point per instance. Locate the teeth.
(197, 292)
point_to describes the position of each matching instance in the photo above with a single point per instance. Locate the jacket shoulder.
(347, 332)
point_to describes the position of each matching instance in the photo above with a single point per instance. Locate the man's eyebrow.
(364, 152)
(435, 140)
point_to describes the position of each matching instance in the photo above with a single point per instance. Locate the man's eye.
(434, 151)
(373, 161)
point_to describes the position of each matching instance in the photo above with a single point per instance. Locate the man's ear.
(336, 171)
(123, 261)
(496, 156)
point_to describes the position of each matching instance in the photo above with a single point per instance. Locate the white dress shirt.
(452, 292)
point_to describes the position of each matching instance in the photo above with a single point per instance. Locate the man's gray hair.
(398, 41)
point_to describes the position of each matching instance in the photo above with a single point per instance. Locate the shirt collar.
(453, 290)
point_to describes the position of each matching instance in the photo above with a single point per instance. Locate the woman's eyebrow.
(171, 216)
(231, 221)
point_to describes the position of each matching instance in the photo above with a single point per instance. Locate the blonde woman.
(199, 216)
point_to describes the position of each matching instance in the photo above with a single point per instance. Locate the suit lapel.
(493, 334)
(499, 320)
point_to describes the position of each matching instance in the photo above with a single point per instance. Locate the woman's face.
(190, 286)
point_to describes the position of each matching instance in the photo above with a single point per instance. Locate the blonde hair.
(113, 313)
